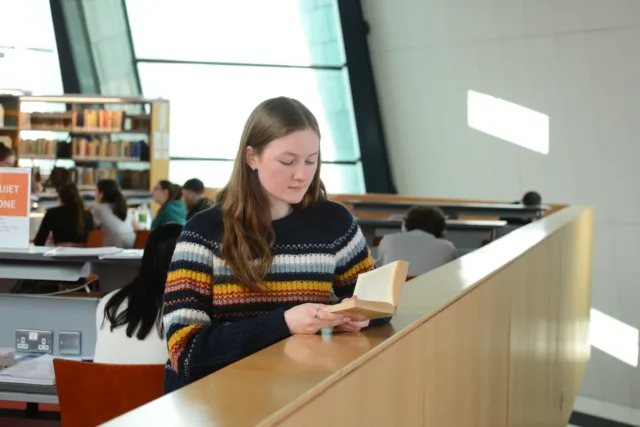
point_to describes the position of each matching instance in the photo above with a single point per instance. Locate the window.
(28, 55)
(222, 58)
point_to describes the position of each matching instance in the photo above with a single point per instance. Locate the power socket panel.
(33, 341)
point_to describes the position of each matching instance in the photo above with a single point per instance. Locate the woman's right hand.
(310, 318)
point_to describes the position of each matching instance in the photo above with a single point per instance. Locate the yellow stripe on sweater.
(222, 290)
(183, 273)
(361, 267)
(181, 336)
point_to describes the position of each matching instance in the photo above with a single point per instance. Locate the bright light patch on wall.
(614, 337)
(508, 121)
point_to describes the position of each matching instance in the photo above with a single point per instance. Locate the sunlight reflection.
(508, 121)
(614, 337)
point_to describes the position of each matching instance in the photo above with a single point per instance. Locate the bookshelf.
(95, 137)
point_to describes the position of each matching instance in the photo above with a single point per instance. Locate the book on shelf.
(38, 147)
(378, 292)
(87, 120)
(104, 148)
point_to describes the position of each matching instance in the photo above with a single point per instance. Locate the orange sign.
(14, 194)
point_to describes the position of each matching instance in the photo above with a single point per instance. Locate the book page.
(379, 284)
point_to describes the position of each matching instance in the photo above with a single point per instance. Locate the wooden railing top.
(266, 387)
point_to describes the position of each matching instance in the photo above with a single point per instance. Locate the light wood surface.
(496, 338)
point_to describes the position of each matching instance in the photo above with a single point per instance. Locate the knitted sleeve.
(352, 258)
(198, 343)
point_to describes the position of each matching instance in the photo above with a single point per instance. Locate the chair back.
(95, 239)
(90, 394)
(141, 239)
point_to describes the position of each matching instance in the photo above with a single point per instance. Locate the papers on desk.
(35, 370)
(125, 254)
(82, 252)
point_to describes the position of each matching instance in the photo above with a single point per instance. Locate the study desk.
(452, 210)
(464, 234)
(31, 264)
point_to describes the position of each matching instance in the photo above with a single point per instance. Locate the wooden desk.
(451, 210)
(497, 338)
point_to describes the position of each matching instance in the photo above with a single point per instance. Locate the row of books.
(89, 176)
(87, 120)
(83, 147)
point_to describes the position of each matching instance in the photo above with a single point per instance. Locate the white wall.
(578, 61)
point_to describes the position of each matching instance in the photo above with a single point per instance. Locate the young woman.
(70, 222)
(129, 319)
(172, 209)
(110, 214)
(262, 264)
(7, 157)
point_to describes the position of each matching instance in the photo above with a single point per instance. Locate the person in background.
(530, 199)
(69, 223)
(7, 157)
(129, 320)
(172, 208)
(110, 214)
(421, 244)
(261, 265)
(194, 197)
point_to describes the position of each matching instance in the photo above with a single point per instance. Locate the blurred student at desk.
(421, 243)
(530, 199)
(172, 208)
(7, 156)
(129, 320)
(110, 214)
(69, 223)
(194, 197)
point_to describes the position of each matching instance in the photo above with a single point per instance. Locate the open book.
(378, 292)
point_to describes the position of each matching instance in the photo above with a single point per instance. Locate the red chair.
(90, 394)
(141, 239)
(95, 239)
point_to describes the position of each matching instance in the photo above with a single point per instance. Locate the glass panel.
(338, 179)
(343, 179)
(210, 103)
(28, 55)
(214, 174)
(284, 32)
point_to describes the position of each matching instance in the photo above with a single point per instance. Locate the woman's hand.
(355, 322)
(310, 318)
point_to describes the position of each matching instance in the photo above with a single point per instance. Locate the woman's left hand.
(354, 324)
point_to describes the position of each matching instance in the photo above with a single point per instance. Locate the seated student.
(531, 198)
(110, 214)
(421, 243)
(194, 197)
(172, 209)
(7, 156)
(69, 223)
(128, 320)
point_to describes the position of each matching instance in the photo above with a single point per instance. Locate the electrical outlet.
(69, 343)
(29, 341)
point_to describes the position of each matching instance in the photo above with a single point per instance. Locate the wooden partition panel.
(496, 338)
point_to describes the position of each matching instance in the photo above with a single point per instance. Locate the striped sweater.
(212, 321)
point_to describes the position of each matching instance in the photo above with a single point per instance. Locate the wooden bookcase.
(98, 133)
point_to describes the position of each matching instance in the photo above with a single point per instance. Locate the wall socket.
(69, 343)
(30, 341)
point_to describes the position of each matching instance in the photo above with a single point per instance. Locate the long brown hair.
(247, 236)
(70, 197)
